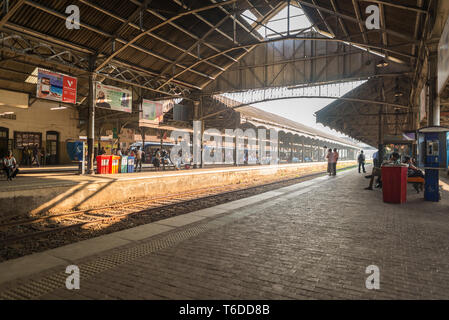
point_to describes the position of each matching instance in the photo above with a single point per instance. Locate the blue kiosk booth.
(433, 152)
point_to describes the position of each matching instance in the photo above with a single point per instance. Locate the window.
(278, 25)
(27, 139)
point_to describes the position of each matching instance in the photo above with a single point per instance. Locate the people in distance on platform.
(157, 159)
(26, 156)
(178, 161)
(10, 166)
(334, 164)
(36, 155)
(395, 159)
(361, 161)
(139, 154)
(329, 158)
(119, 152)
(102, 151)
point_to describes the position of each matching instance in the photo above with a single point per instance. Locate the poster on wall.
(109, 97)
(153, 111)
(56, 86)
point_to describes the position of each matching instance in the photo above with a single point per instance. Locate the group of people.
(394, 159)
(332, 159)
(31, 156)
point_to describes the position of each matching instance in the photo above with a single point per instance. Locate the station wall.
(37, 124)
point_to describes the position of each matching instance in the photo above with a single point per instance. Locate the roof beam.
(190, 34)
(182, 14)
(358, 15)
(396, 5)
(10, 12)
(267, 17)
(250, 31)
(356, 20)
(196, 44)
(287, 38)
(135, 26)
(384, 26)
(123, 41)
(416, 32)
(340, 20)
(318, 9)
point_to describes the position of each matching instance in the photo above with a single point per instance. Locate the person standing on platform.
(329, 158)
(361, 160)
(102, 151)
(157, 160)
(334, 163)
(139, 159)
(10, 166)
(36, 155)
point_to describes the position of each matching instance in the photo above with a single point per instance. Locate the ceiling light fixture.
(382, 64)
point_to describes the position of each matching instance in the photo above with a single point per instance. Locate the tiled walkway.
(309, 241)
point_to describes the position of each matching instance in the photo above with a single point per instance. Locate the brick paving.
(312, 245)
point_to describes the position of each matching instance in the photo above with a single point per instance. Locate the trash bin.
(103, 164)
(124, 164)
(114, 163)
(130, 164)
(394, 184)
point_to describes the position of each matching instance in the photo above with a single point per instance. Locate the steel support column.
(434, 99)
(91, 119)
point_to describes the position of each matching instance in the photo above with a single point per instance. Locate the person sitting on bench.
(377, 172)
(414, 172)
(10, 166)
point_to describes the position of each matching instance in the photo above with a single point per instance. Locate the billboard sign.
(443, 58)
(109, 97)
(153, 111)
(56, 86)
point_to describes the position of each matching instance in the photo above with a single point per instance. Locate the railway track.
(20, 231)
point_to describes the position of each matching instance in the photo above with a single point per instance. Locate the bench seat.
(415, 180)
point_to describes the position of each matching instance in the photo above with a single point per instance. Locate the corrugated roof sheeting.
(102, 19)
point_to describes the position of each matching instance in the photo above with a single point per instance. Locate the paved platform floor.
(308, 241)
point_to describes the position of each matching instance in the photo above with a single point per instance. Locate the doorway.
(4, 137)
(52, 148)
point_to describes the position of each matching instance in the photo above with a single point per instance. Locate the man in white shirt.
(10, 166)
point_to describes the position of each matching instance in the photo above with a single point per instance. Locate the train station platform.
(34, 194)
(312, 240)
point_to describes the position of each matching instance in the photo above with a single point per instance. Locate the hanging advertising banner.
(443, 59)
(152, 112)
(56, 86)
(180, 112)
(109, 97)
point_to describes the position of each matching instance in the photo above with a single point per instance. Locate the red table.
(394, 184)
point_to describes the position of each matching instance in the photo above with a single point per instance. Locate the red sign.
(69, 89)
(56, 86)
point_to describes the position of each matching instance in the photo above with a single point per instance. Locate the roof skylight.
(278, 25)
